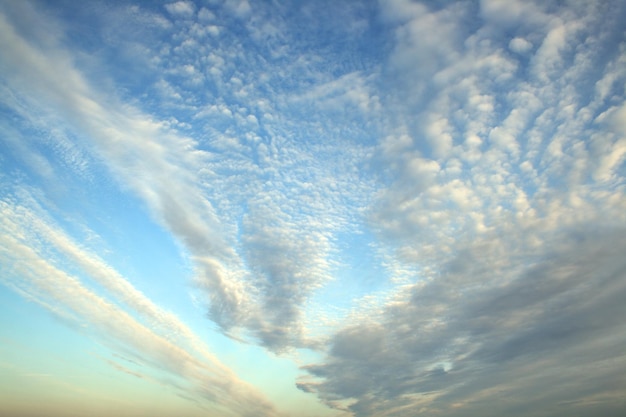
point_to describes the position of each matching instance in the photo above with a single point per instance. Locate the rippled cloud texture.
(322, 208)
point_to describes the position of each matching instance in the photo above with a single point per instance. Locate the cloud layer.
(427, 195)
(499, 197)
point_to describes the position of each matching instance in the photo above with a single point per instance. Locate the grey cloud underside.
(506, 193)
(546, 341)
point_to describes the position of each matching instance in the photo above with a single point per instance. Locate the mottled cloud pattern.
(508, 195)
(421, 204)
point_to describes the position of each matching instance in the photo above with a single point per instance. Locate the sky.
(312, 208)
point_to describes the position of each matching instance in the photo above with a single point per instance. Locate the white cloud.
(180, 185)
(185, 9)
(206, 15)
(349, 90)
(240, 8)
(163, 342)
(130, 143)
(471, 148)
(512, 160)
(613, 145)
(520, 45)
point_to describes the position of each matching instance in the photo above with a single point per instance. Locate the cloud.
(471, 343)
(484, 120)
(520, 45)
(349, 90)
(161, 167)
(288, 265)
(240, 8)
(615, 142)
(489, 198)
(197, 194)
(185, 9)
(469, 149)
(512, 15)
(162, 342)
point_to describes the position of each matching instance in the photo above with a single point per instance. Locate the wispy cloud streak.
(158, 339)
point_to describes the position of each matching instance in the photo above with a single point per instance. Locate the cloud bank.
(427, 197)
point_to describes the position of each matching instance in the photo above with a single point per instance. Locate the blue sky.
(360, 208)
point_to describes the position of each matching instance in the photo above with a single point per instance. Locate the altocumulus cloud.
(548, 341)
(507, 196)
(427, 198)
